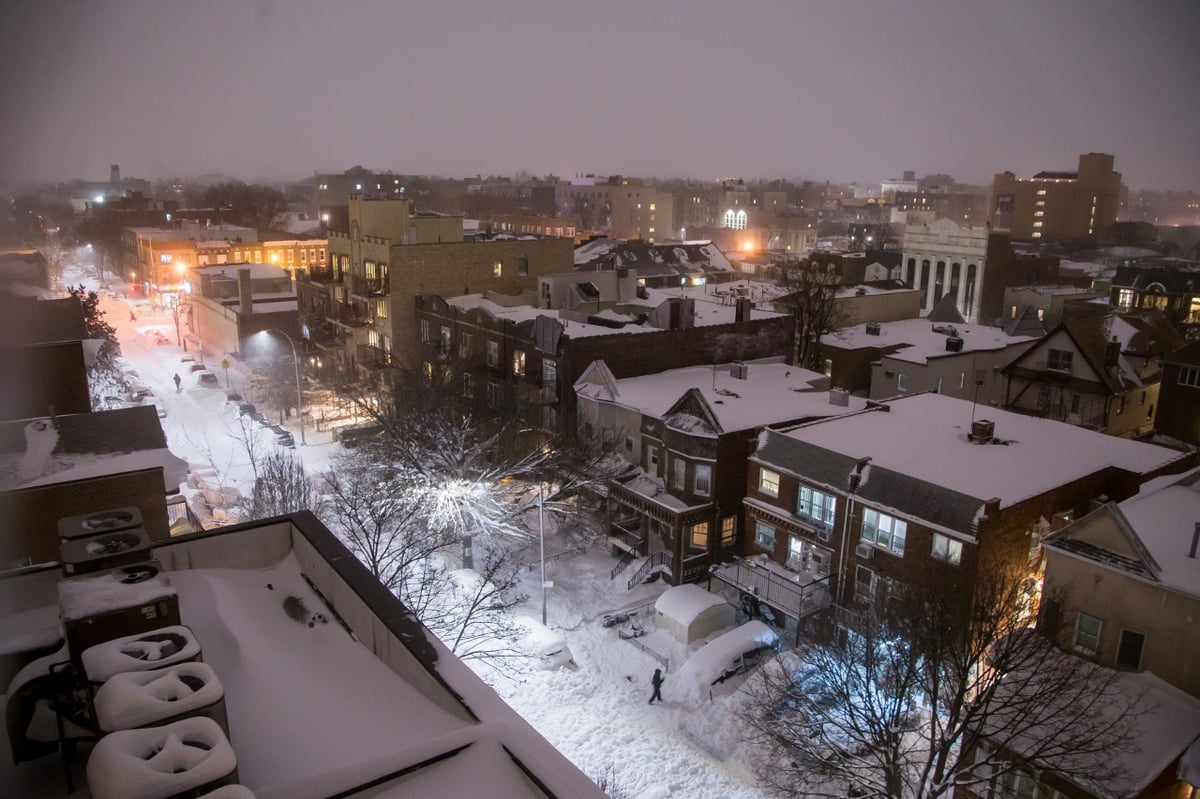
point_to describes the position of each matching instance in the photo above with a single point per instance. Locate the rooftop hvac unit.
(954, 344)
(982, 431)
(839, 397)
(149, 698)
(738, 370)
(127, 600)
(104, 521)
(148, 651)
(865, 550)
(106, 550)
(185, 759)
(873, 328)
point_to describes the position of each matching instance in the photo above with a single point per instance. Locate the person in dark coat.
(656, 681)
(178, 380)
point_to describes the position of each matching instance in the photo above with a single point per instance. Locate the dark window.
(1129, 651)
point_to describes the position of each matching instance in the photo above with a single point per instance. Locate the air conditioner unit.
(104, 521)
(104, 551)
(185, 759)
(149, 698)
(147, 651)
(127, 600)
(864, 550)
(954, 344)
(872, 328)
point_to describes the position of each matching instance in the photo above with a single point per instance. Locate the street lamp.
(296, 365)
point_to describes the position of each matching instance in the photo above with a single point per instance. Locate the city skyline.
(849, 92)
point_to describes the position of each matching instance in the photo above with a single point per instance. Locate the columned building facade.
(943, 258)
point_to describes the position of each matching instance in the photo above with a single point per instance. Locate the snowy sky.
(855, 90)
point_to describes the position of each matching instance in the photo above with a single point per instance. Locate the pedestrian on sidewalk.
(656, 681)
(178, 380)
(132, 318)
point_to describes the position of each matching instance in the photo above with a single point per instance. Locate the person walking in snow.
(656, 681)
(178, 380)
(132, 318)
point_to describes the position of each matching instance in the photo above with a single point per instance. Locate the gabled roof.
(1148, 535)
(946, 310)
(1026, 324)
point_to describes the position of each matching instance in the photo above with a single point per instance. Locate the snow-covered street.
(596, 713)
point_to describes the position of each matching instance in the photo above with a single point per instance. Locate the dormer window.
(1059, 360)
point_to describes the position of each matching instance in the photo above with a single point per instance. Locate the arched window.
(912, 273)
(969, 294)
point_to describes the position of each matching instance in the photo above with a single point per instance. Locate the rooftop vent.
(954, 344)
(839, 397)
(946, 330)
(739, 370)
(982, 431)
(872, 328)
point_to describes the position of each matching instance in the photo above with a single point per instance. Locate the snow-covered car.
(159, 407)
(187, 357)
(207, 379)
(139, 391)
(547, 647)
(283, 437)
(730, 654)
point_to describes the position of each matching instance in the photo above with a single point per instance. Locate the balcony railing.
(796, 594)
(367, 288)
(323, 276)
(373, 357)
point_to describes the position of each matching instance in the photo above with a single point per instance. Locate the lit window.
(819, 508)
(1087, 634)
(700, 535)
(1037, 223)
(652, 456)
(1125, 298)
(498, 269)
(885, 532)
(728, 530)
(702, 480)
(764, 535)
(768, 482)
(518, 362)
(1037, 234)
(962, 380)
(946, 548)
(1039, 213)
(1041, 192)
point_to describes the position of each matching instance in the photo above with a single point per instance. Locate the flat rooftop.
(361, 702)
(920, 340)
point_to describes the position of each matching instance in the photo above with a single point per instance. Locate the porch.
(795, 593)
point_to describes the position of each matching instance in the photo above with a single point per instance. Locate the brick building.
(1058, 206)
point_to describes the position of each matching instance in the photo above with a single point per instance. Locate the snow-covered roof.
(684, 603)
(1161, 519)
(709, 310)
(771, 393)
(920, 340)
(257, 271)
(924, 436)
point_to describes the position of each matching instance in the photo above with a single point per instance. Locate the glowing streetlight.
(296, 365)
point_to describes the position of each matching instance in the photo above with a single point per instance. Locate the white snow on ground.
(597, 713)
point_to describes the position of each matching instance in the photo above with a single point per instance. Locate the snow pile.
(152, 650)
(709, 668)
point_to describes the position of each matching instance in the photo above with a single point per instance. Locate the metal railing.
(622, 562)
(774, 589)
(656, 559)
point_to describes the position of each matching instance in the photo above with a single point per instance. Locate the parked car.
(207, 379)
(139, 391)
(353, 435)
(159, 407)
(247, 409)
(735, 652)
(197, 367)
(187, 357)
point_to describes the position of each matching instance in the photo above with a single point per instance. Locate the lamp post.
(296, 365)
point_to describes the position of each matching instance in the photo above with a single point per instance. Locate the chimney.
(1195, 540)
(1112, 353)
(742, 312)
(982, 431)
(245, 295)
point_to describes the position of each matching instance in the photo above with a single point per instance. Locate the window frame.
(678, 473)
(894, 524)
(1141, 650)
(951, 549)
(698, 535)
(1081, 647)
(1189, 376)
(697, 471)
(824, 526)
(764, 535)
(768, 486)
(1059, 360)
(493, 354)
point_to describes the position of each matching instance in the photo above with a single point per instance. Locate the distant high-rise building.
(114, 174)
(1058, 206)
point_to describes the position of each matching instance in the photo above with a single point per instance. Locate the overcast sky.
(841, 90)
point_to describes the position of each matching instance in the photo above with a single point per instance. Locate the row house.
(922, 487)
(1169, 285)
(1100, 372)
(658, 265)
(687, 432)
(911, 356)
(290, 254)
(532, 225)
(359, 311)
(520, 358)
(1126, 578)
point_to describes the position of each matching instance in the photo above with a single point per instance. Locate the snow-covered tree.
(891, 699)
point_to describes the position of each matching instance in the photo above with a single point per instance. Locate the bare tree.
(892, 700)
(56, 259)
(281, 486)
(812, 294)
